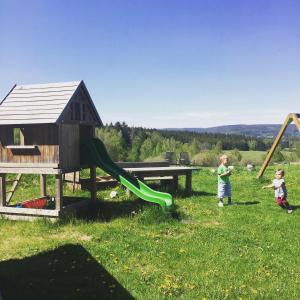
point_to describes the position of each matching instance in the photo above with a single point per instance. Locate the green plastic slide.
(93, 152)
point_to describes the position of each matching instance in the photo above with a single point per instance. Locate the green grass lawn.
(130, 249)
(254, 156)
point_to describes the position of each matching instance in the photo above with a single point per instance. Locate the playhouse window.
(18, 136)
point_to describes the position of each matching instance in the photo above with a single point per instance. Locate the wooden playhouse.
(40, 131)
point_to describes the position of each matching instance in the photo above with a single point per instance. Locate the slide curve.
(94, 152)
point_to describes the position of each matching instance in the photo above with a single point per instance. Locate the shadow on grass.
(181, 193)
(295, 207)
(106, 210)
(247, 203)
(68, 272)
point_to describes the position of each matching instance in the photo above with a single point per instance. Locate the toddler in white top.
(278, 184)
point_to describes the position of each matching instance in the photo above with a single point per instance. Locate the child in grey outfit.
(224, 187)
(278, 184)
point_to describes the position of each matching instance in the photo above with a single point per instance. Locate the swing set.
(292, 117)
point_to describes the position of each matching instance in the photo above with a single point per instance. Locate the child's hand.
(230, 169)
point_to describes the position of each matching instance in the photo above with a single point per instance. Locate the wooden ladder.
(13, 188)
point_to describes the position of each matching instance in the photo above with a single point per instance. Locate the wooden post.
(43, 187)
(175, 183)
(59, 192)
(188, 182)
(2, 189)
(296, 121)
(93, 180)
(287, 121)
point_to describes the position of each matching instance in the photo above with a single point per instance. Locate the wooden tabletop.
(172, 168)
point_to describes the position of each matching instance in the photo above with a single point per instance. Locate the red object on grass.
(35, 203)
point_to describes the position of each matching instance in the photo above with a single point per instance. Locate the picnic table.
(159, 173)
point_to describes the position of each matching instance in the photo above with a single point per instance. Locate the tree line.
(125, 143)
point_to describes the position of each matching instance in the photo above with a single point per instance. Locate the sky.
(160, 63)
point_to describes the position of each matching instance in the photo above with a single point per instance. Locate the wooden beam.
(287, 121)
(175, 183)
(2, 190)
(188, 182)
(296, 121)
(93, 180)
(58, 192)
(13, 188)
(30, 171)
(28, 165)
(29, 211)
(43, 186)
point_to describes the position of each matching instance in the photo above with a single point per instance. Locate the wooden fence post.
(59, 192)
(2, 189)
(93, 180)
(43, 186)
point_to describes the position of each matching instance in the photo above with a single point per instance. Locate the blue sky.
(171, 63)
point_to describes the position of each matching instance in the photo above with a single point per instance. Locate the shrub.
(235, 157)
(277, 156)
(207, 159)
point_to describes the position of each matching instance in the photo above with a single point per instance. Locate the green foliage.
(217, 148)
(297, 148)
(252, 144)
(113, 141)
(277, 156)
(207, 159)
(138, 144)
(135, 151)
(235, 156)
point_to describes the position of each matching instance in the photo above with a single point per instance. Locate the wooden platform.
(71, 205)
(61, 207)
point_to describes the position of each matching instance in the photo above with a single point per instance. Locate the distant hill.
(259, 130)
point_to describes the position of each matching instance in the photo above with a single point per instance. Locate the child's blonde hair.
(223, 156)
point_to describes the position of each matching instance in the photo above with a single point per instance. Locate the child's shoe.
(289, 211)
(220, 204)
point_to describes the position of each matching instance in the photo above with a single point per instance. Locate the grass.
(130, 249)
(252, 155)
(255, 157)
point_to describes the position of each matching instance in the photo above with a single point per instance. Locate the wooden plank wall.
(84, 115)
(45, 136)
(69, 151)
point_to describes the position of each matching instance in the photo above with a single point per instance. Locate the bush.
(277, 156)
(207, 159)
(234, 157)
